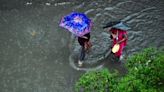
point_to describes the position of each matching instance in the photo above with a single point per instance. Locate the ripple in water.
(98, 52)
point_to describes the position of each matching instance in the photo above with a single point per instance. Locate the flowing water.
(34, 51)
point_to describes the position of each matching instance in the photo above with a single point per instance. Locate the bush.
(96, 81)
(145, 74)
(147, 66)
(130, 83)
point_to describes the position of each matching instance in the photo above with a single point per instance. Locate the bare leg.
(82, 56)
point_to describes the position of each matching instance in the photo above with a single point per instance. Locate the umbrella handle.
(84, 37)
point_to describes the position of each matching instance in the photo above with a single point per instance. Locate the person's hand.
(117, 42)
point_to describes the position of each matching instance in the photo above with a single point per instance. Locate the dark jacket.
(83, 40)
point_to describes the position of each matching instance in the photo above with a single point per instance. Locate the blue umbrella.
(77, 23)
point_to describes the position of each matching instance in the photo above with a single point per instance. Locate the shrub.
(145, 74)
(130, 83)
(148, 66)
(96, 81)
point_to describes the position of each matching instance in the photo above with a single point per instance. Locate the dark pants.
(82, 53)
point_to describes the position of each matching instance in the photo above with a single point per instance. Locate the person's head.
(113, 32)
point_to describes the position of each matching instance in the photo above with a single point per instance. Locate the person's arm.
(125, 38)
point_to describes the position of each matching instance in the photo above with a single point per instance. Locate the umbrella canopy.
(117, 24)
(77, 23)
(121, 26)
(111, 23)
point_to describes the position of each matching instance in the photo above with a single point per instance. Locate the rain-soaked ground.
(34, 51)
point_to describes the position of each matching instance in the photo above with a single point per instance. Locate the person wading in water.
(85, 44)
(118, 33)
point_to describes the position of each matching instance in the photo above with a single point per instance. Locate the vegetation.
(145, 74)
(96, 81)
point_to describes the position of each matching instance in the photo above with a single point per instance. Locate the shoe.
(80, 63)
(121, 58)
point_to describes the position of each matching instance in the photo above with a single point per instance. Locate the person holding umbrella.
(79, 25)
(118, 33)
(85, 45)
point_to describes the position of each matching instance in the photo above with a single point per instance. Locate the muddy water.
(34, 51)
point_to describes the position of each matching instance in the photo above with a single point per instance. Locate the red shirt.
(121, 35)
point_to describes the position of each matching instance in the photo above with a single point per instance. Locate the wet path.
(34, 52)
(145, 22)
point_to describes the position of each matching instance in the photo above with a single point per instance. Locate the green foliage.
(145, 74)
(147, 66)
(130, 83)
(146, 71)
(96, 81)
